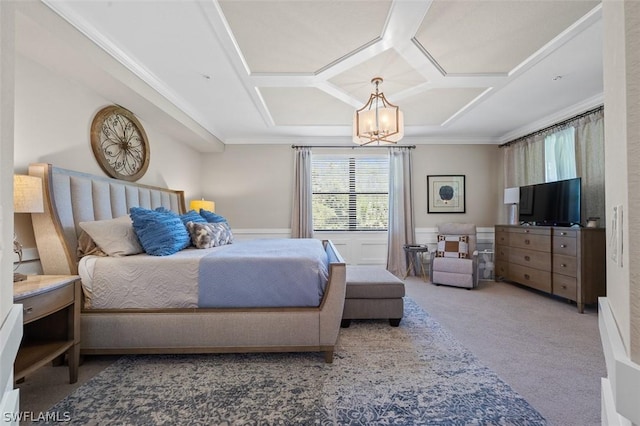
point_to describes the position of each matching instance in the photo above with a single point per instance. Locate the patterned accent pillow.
(161, 233)
(211, 217)
(456, 246)
(206, 235)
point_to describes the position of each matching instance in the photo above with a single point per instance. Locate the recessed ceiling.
(279, 71)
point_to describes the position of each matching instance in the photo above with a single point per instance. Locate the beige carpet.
(541, 346)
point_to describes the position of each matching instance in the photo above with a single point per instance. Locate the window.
(560, 155)
(350, 193)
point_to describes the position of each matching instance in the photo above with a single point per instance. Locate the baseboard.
(621, 388)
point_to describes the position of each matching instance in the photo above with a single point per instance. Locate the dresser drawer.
(565, 286)
(502, 237)
(502, 269)
(565, 245)
(43, 304)
(502, 253)
(530, 241)
(534, 278)
(572, 233)
(565, 265)
(530, 258)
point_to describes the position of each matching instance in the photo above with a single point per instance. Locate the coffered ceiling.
(294, 71)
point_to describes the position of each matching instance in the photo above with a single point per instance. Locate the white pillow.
(115, 237)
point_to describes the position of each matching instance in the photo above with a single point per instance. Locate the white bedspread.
(257, 273)
(142, 281)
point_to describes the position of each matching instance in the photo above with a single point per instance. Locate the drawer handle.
(563, 246)
(27, 310)
(564, 265)
(526, 276)
(527, 258)
(527, 242)
(526, 231)
(564, 287)
(563, 233)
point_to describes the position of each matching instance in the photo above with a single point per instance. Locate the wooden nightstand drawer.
(564, 286)
(51, 317)
(565, 265)
(41, 305)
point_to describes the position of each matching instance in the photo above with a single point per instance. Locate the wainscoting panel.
(365, 248)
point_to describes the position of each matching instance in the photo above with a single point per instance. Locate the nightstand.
(51, 318)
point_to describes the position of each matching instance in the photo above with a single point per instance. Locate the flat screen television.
(551, 204)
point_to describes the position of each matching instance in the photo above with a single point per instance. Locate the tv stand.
(564, 261)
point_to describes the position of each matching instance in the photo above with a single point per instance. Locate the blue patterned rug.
(415, 374)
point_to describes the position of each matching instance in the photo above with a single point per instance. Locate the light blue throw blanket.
(264, 273)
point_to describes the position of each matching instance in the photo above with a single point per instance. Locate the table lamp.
(202, 204)
(27, 198)
(512, 197)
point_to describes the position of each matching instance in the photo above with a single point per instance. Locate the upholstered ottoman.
(372, 293)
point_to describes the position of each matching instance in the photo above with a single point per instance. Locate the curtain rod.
(353, 146)
(563, 122)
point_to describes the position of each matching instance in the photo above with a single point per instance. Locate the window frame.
(352, 194)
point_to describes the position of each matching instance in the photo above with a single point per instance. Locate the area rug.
(415, 374)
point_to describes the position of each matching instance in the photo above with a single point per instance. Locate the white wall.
(53, 118)
(252, 185)
(619, 318)
(10, 314)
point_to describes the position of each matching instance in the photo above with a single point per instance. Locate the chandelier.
(378, 121)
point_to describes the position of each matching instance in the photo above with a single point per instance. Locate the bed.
(73, 197)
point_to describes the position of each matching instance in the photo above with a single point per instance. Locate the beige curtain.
(302, 214)
(590, 164)
(401, 227)
(524, 162)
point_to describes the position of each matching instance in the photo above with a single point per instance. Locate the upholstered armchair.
(454, 261)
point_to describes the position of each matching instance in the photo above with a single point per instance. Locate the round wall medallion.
(119, 143)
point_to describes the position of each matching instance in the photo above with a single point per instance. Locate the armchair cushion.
(456, 246)
(453, 265)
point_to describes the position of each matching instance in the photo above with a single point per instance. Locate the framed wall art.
(445, 194)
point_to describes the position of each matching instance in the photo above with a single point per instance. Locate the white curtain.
(401, 227)
(302, 214)
(560, 155)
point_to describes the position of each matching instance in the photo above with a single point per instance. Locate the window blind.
(349, 192)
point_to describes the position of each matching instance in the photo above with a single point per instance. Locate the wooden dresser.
(566, 262)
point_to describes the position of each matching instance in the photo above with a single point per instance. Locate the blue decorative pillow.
(192, 216)
(211, 217)
(161, 233)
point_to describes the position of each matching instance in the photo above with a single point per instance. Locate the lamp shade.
(379, 121)
(202, 204)
(512, 195)
(27, 194)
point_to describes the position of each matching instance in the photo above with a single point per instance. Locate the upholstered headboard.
(72, 197)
